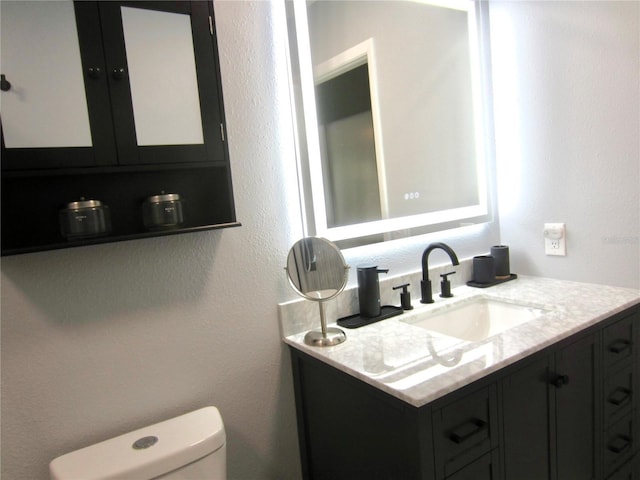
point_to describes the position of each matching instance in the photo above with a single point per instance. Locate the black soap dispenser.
(369, 290)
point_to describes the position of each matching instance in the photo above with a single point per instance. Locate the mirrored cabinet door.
(47, 112)
(163, 84)
(45, 76)
(160, 59)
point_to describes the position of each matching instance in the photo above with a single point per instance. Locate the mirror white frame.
(310, 162)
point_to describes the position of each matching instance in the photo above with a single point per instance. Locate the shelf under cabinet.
(31, 202)
(117, 238)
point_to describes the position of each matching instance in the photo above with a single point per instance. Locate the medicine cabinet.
(112, 101)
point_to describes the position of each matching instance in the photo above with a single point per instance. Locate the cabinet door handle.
(94, 72)
(560, 381)
(619, 396)
(5, 86)
(619, 346)
(468, 430)
(619, 444)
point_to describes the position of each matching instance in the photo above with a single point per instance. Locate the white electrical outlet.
(555, 239)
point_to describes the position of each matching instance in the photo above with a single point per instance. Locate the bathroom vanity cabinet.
(566, 412)
(118, 101)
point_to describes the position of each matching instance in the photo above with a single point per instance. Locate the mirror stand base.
(317, 338)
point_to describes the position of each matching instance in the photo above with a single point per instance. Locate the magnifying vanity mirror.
(317, 271)
(391, 106)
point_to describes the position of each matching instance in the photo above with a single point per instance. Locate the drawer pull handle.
(560, 381)
(468, 430)
(619, 396)
(619, 444)
(619, 346)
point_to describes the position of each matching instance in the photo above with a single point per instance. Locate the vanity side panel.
(349, 430)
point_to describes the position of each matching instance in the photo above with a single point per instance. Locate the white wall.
(99, 340)
(567, 96)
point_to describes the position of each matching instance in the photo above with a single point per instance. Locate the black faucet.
(425, 284)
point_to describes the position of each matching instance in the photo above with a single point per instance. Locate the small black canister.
(84, 219)
(501, 254)
(162, 211)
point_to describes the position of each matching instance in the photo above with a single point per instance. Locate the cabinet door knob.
(94, 72)
(560, 381)
(118, 73)
(5, 86)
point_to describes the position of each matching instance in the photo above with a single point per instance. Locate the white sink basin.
(476, 319)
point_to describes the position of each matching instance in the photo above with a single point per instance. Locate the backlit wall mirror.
(395, 134)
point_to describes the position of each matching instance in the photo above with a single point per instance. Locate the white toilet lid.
(148, 452)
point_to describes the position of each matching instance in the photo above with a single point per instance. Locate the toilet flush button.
(145, 442)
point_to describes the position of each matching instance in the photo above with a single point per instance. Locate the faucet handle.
(405, 296)
(445, 285)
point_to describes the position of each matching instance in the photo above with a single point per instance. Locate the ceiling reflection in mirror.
(391, 118)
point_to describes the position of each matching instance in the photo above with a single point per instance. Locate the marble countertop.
(419, 366)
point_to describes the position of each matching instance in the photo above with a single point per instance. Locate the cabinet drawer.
(486, 467)
(618, 444)
(618, 395)
(464, 430)
(618, 342)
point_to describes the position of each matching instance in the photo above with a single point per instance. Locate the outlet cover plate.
(555, 239)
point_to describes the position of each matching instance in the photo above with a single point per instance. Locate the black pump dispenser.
(369, 290)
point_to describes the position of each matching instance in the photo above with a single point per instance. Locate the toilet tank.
(190, 446)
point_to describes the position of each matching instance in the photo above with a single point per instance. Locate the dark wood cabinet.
(115, 79)
(550, 415)
(151, 104)
(567, 412)
(350, 430)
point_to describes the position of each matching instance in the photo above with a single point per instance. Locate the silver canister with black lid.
(84, 219)
(163, 211)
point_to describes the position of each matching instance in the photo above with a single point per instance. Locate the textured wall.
(566, 78)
